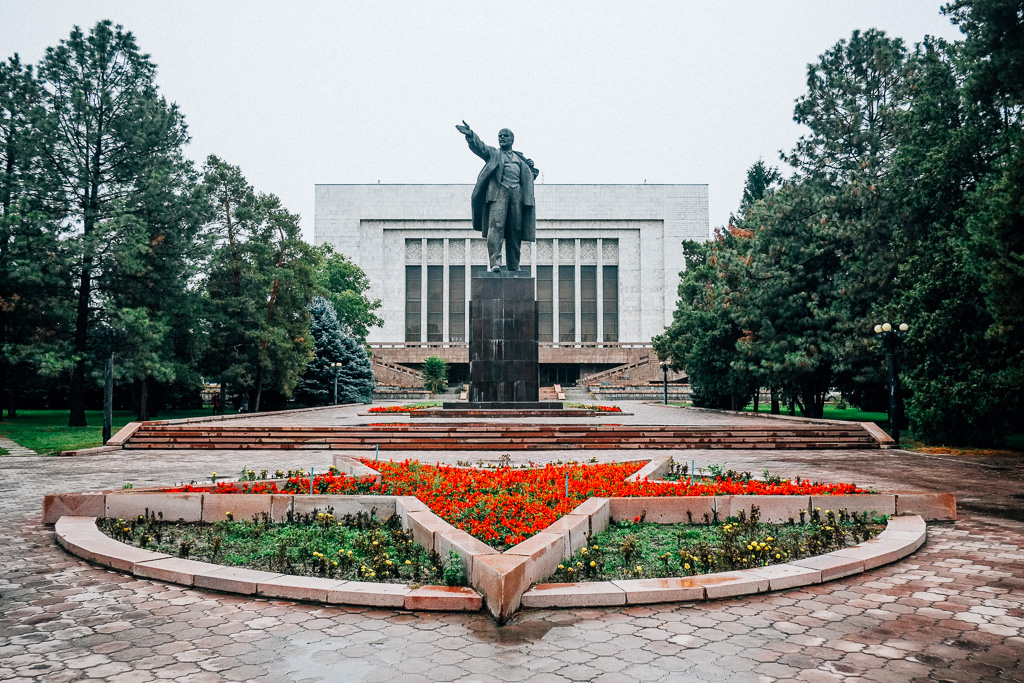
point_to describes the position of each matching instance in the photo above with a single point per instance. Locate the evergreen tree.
(159, 248)
(33, 266)
(702, 338)
(344, 284)
(331, 344)
(259, 287)
(112, 129)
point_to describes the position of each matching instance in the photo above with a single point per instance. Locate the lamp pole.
(664, 379)
(337, 367)
(889, 336)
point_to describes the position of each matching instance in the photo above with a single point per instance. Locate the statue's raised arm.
(476, 145)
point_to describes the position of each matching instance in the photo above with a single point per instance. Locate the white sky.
(299, 93)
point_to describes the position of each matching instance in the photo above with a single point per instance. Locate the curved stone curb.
(901, 537)
(501, 578)
(80, 536)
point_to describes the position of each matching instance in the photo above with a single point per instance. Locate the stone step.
(491, 437)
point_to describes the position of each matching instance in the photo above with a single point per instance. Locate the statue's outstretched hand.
(464, 128)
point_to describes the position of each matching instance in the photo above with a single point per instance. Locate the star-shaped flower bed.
(505, 506)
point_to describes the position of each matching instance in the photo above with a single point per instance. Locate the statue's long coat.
(486, 189)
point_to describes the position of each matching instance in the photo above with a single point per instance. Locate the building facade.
(606, 262)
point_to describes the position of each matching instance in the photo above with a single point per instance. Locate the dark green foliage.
(259, 286)
(344, 284)
(332, 345)
(702, 337)
(34, 268)
(435, 374)
(112, 133)
(907, 205)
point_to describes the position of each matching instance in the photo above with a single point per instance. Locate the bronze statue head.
(505, 138)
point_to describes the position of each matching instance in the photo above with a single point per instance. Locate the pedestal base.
(503, 405)
(504, 367)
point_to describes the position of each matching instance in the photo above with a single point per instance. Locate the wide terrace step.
(490, 436)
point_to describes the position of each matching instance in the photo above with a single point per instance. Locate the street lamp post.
(889, 336)
(664, 378)
(337, 368)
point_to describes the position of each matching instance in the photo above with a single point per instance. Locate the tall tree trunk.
(143, 414)
(257, 391)
(775, 401)
(757, 399)
(4, 388)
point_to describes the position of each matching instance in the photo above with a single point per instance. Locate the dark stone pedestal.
(504, 368)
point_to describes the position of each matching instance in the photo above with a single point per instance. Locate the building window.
(566, 303)
(457, 303)
(588, 303)
(545, 305)
(611, 303)
(413, 303)
(435, 303)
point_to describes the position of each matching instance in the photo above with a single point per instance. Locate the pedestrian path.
(954, 611)
(13, 448)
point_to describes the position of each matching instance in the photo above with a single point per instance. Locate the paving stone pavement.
(14, 448)
(953, 611)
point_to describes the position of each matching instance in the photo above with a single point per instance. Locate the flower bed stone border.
(503, 580)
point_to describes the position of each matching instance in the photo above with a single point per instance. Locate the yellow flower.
(686, 567)
(561, 566)
(593, 564)
(408, 561)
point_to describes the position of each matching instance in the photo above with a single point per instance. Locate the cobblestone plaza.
(953, 611)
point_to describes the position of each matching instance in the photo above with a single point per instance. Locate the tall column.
(578, 291)
(445, 294)
(424, 304)
(600, 290)
(554, 291)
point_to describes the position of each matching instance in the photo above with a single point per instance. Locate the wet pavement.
(953, 611)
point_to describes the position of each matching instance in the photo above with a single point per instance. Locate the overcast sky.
(300, 93)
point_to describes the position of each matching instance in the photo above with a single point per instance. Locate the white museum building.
(606, 263)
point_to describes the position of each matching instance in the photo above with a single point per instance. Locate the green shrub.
(435, 374)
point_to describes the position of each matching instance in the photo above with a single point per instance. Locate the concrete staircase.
(505, 437)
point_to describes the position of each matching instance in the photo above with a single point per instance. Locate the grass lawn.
(47, 431)
(832, 413)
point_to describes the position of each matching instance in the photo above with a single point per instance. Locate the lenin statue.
(503, 205)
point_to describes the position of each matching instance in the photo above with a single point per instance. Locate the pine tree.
(332, 345)
(259, 287)
(112, 129)
(34, 276)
